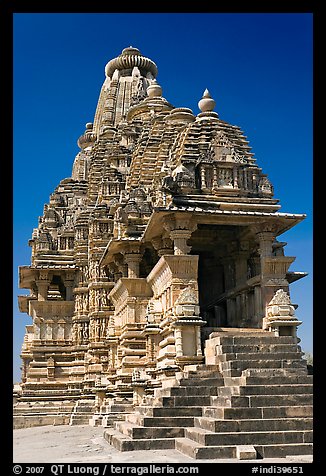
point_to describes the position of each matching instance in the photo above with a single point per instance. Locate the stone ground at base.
(85, 444)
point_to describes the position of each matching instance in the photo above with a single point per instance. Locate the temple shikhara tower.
(159, 291)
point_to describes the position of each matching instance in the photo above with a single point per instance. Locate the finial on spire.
(154, 89)
(207, 103)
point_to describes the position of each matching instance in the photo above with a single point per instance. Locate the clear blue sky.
(257, 67)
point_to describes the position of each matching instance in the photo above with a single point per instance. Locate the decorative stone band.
(195, 321)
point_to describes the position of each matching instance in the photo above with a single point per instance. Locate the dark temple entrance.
(223, 269)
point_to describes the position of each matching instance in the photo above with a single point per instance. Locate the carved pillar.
(69, 287)
(61, 329)
(244, 308)
(180, 230)
(229, 272)
(37, 329)
(241, 267)
(229, 283)
(180, 238)
(42, 284)
(198, 341)
(202, 176)
(133, 260)
(49, 329)
(187, 326)
(273, 268)
(215, 177)
(178, 342)
(254, 266)
(257, 303)
(121, 266)
(163, 245)
(265, 234)
(114, 270)
(266, 240)
(235, 177)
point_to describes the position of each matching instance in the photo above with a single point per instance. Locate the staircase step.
(243, 390)
(125, 443)
(288, 372)
(291, 389)
(41, 411)
(230, 401)
(279, 380)
(262, 400)
(181, 411)
(252, 340)
(184, 401)
(160, 421)
(80, 419)
(242, 364)
(258, 348)
(284, 450)
(107, 419)
(232, 413)
(141, 432)
(273, 424)
(257, 356)
(202, 374)
(235, 368)
(255, 438)
(259, 412)
(200, 367)
(277, 400)
(201, 371)
(197, 451)
(288, 411)
(186, 391)
(115, 407)
(201, 382)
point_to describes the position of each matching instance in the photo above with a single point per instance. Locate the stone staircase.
(252, 399)
(82, 412)
(110, 413)
(29, 414)
(174, 409)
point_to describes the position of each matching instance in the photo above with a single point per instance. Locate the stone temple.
(159, 292)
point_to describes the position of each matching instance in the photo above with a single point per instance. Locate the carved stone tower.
(165, 232)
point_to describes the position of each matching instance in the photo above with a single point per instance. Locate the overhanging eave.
(282, 221)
